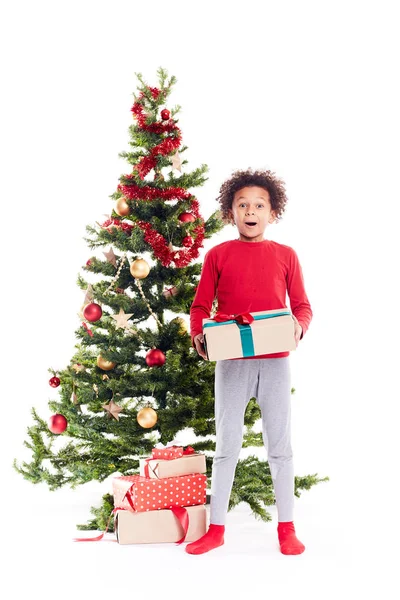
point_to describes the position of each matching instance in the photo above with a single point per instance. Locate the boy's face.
(252, 205)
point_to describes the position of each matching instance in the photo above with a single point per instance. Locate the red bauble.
(165, 114)
(54, 381)
(57, 423)
(187, 241)
(92, 312)
(155, 357)
(88, 263)
(186, 217)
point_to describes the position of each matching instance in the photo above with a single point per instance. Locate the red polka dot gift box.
(168, 453)
(141, 494)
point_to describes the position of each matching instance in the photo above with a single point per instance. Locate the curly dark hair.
(264, 179)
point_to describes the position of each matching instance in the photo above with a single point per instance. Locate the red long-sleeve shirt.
(250, 277)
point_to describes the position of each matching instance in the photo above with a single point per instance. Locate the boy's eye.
(262, 205)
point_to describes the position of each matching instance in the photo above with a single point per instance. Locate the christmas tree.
(135, 380)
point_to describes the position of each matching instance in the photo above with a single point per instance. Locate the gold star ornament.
(112, 409)
(110, 256)
(121, 319)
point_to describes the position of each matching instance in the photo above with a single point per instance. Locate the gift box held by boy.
(251, 273)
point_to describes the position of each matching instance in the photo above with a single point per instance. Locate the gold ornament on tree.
(122, 208)
(147, 417)
(105, 365)
(183, 328)
(139, 268)
(158, 177)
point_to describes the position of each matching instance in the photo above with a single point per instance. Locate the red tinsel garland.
(117, 223)
(135, 192)
(171, 142)
(181, 257)
(165, 147)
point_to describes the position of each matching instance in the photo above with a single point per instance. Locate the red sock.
(287, 539)
(212, 539)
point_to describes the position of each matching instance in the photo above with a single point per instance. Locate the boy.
(251, 274)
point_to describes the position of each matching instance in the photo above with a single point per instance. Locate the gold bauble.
(104, 364)
(139, 268)
(122, 208)
(183, 328)
(147, 417)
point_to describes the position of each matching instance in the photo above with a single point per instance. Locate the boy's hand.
(199, 343)
(297, 330)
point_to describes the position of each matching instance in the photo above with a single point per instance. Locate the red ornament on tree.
(187, 241)
(54, 381)
(57, 423)
(155, 358)
(88, 262)
(92, 312)
(186, 217)
(165, 114)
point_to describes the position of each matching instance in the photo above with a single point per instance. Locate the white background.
(308, 90)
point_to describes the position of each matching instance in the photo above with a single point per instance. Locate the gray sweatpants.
(236, 381)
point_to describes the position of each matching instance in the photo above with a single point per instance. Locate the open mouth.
(250, 224)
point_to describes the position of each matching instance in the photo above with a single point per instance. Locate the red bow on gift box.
(243, 318)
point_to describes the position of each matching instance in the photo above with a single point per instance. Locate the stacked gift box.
(166, 501)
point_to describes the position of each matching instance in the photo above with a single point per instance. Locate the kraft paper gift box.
(159, 526)
(248, 334)
(141, 494)
(159, 469)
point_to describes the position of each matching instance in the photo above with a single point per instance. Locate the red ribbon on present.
(99, 537)
(128, 496)
(245, 318)
(181, 514)
(188, 450)
(170, 290)
(146, 467)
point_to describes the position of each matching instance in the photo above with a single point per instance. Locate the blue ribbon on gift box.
(246, 334)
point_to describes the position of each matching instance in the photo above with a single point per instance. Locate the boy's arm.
(205, 294)
(299, 302)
